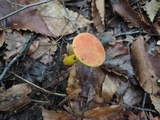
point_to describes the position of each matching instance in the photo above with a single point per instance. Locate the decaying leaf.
(2, 38)
(106, 39)
(156, 101)
(98, 13)
(28, 19)
(15, 97)
(143, 68)
(132, 96)
(15, 42)
(120, 63)
(57, 19)
(154, 59)
(125, 11)
(45, 50)
(109, 87)
(38, 49)
(88, 77)
(152, 8)
(157, 26)
(56, 115)
(101, 112)
(73, 81)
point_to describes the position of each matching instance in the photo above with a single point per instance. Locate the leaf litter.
(111, 91)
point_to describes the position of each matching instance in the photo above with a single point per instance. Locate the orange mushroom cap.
(89, 50)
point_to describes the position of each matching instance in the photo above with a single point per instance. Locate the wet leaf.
(56, 115)
(152, 8)
(143, 68)
(125, 11)
(28, 19)
(98, 12)
(15, 97)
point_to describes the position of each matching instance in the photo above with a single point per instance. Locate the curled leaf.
(143, 68)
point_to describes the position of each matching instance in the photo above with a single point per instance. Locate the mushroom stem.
(70, 60)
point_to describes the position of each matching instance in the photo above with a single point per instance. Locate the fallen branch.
(29, 40)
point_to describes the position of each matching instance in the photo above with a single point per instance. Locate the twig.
(58, 94)
(23, 8)
(138, 108)
(14, 3)
(128, 33)
(144, 99)
(75, 27)
(29, 40)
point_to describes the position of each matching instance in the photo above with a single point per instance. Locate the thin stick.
(75, 27)
(58, 94)
(29, 40)
(138, 108)
(23, 8)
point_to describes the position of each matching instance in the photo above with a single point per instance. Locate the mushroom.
(88, 50)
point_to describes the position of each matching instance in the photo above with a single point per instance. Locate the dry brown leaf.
(42, 47)
(156, 101)
(14, 97)
(73, 81)
(72, 96)
(45, 49)
(99, 111)
(152, 8)
(28, 19)
(73, 88)
(125, 11)
(98, 12)
(15, 42)
(56, 115)
(2, 38)
(143, 68)
(109, 87)
(57, 20)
